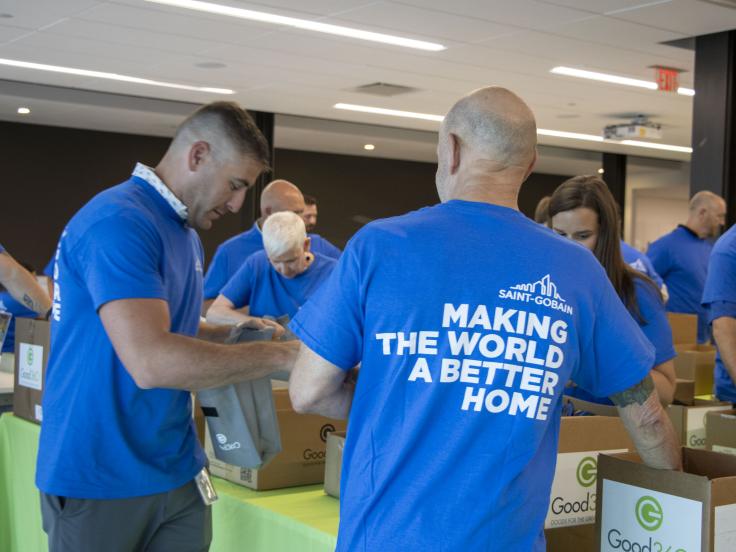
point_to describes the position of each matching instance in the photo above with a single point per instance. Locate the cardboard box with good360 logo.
(31, 355)
(652, 510)
(302, 459)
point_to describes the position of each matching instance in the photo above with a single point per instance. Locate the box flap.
(590, 433)
(713, 465)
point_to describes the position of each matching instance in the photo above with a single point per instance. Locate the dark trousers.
(174, 521)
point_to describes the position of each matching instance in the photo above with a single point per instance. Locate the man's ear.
(307, 244)
(530, 168)
(454, 150)
(197, 154)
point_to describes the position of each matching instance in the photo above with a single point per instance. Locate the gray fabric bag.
(242, 417)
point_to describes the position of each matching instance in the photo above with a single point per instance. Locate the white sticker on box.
(726, 450)
(724, 532)
(38, 412)
(572, 501)
(695, 424)
(635, 518)
(30, 366)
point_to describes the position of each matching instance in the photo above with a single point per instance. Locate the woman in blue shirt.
(582, 209)
(274, 282)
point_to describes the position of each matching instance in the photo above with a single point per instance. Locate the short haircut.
(283, 232)
(310, 200)
(704, 198)
(225, 126)
(496, 123)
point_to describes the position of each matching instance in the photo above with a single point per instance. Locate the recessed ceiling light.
(304, 24)
(540, 131)
(110, 76)
(616, 79)
(23, 111)
(369, 147)
(601, 171)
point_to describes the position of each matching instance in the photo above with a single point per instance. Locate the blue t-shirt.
(681, 259)
(719, 297)
(266, 292)
(653, 322)
(231, 254)
(10, 305)
(102, 436)
(639, 261)
(468, 319)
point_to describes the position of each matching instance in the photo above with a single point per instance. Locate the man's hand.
(648, 425)
(256, 323)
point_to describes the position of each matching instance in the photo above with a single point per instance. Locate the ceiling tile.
(688, 17)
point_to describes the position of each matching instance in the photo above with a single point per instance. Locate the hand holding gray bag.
(242, 417)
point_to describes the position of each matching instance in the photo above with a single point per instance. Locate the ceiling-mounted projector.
(639, 127)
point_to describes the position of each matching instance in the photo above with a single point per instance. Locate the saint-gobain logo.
(325, 430)
(587, 471)
(221, 438)
(649, 513)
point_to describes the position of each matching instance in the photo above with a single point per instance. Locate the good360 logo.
(587, 471)
(649, 513)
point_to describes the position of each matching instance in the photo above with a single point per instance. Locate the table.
(296, 519)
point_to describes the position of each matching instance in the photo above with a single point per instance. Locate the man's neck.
(694, 228)
(502, 190)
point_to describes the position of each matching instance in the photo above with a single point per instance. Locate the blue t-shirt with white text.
(231, 254)
(268, 293)
(468, 319)
(681, 259)
(102, 436)
(719, 297)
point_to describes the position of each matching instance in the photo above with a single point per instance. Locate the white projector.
(635, 129)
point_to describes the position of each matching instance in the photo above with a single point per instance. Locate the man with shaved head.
(681, 257)
(467, 320)
(278, 196)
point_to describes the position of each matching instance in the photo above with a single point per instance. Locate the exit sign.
(667, 79)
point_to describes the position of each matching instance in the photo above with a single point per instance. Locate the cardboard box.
(684, 392)
(32, 340)
(684, 327)
(333, 462)
(696, 362)
(302, 460)
(720, 431)
(689, 421)
(647, 509)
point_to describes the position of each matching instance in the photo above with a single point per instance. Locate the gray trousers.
(174, 521)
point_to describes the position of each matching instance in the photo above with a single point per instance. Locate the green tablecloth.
(300, 519)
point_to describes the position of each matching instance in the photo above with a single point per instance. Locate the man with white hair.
(119, 465)
(468, 320)
(274, 282)
(681, 257)
(277, 197)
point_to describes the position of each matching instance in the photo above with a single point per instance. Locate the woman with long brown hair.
(582, 209)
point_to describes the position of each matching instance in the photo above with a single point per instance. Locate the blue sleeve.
(240, 287)
(651, 271)
(656, 327)
(660, 257)
(720, 284)
(2, 249)
(49, 268)
(615, 354)
(217, 275)
(721, 309)
(119, 258)
(331, 322)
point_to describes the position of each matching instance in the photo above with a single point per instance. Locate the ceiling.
(513, 43)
